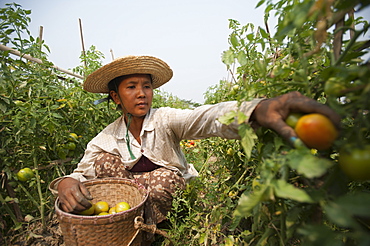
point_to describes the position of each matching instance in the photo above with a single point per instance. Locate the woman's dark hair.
(114, 83)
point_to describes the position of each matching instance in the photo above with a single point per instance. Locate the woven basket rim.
(113, 217)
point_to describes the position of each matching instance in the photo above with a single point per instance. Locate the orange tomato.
(316, 131)
(101, 207)
(122, 206)
(112, 210)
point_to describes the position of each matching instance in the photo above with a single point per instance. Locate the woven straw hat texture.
(97, 82)
(113, 229)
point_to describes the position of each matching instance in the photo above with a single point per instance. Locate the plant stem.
(38, 181)
(10, 212)
(30, 196)
(350, 44)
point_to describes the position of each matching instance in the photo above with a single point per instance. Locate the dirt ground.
(35, 235)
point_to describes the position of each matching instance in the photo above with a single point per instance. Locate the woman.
(144, 142)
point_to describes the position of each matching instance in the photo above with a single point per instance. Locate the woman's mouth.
(141, 104)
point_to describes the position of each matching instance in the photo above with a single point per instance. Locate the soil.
(35, 235)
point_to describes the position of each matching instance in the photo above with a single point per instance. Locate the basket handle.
(141, 226)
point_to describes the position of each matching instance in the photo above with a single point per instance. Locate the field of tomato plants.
(259, 190)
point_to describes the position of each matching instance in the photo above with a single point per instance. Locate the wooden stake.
(37, 60)
(41, 30)
(82, 42)
(111, 51)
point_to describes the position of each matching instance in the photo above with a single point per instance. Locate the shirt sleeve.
(203, 122)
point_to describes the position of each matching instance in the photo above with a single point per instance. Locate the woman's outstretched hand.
(271, 113)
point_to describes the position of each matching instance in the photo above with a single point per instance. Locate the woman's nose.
(140, 91)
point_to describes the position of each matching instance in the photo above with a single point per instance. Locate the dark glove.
(271, 113)
(73, 195)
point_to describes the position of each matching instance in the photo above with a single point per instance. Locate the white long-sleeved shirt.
(162, 131)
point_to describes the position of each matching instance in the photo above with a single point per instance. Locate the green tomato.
(292, 119)
(334, 87)
(25, 174)
(70, 146)
(355, 162)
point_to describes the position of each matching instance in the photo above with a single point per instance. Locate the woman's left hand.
(271, 113)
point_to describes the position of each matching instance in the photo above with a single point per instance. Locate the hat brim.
(97, 82)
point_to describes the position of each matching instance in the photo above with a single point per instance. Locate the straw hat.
(97, 82)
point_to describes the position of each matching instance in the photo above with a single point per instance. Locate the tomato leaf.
(289, 191)
(228, 118)
(260, 3)
(248, 201)
(358, 203)
(242, 58)
(339, 215)
(228, 57)
(241, 117)
(248, 137)
(306, 164)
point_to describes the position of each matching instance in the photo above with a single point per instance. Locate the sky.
(189, 35)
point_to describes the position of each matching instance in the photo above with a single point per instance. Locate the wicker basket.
(113, 229)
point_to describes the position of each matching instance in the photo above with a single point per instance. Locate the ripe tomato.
(316, 131)
(25, 174)
(112, 210)
(292, 119)
(103, 213)
(122, 206)
(355, 162)
(101, 206)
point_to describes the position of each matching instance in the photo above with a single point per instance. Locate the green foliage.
(288, 196)
(91, 61)
(165, 99)
(259, 190)
(46, 121)
(39, 111)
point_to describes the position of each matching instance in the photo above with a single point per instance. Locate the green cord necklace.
(129, 116)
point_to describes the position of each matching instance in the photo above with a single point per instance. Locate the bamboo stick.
(82, 42)
(30, 58)
(111, 51)
(40, 35)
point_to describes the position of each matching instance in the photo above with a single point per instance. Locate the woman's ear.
(114, 96)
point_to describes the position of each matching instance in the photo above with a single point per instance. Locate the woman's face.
(135, 94)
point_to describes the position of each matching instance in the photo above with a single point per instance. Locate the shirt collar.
(120, 129)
